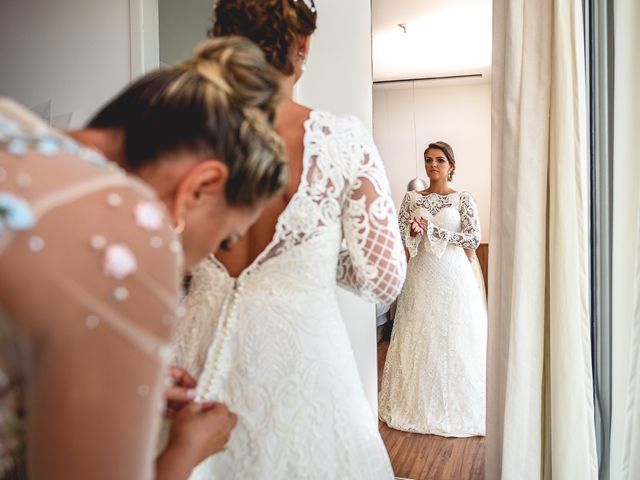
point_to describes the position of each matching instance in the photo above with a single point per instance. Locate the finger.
(182, 378)
(233, 419)
(170, 414)
(179, 394)
(176, 406)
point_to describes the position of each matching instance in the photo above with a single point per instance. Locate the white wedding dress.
(434, 374)
(272, 343)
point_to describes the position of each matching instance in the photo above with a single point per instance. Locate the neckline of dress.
(301, 187)
(438, 194)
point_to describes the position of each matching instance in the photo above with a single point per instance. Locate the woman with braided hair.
(97, 227)
(263, 331)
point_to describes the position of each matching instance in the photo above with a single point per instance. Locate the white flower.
(119, 261)
(148, 216)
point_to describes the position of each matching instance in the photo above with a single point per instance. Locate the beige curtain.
(625, 434)
(540, 418)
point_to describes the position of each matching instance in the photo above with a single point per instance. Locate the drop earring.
(303, 61)
(179, 228)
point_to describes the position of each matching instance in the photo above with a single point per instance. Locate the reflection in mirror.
(432, 113)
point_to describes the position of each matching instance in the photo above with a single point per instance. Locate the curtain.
(625, 441)
(540, 414)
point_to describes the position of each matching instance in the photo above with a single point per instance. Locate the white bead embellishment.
(92, 322)
(216, 363)
(120, 294)
(36, 243)
(114, 200)
(143, 390)
(155, 242)
(164, 353)
(23, 180)
(98, 242)
(175, 246)
(119, 262)
(148, 216)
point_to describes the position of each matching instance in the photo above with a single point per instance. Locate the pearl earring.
(303, 61)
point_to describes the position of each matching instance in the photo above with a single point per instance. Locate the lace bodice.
(452, 220)
(272, 343)
(89, 270)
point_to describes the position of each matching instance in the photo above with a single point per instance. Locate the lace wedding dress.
(89, 281)
(272, 343)
(434, 375)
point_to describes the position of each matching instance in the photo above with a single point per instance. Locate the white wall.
(458, 113)
(72, 52)
(626, 238)
(338, 79)
(182, 28)
(338, 76)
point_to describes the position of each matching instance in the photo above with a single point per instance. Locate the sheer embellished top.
(89, 281)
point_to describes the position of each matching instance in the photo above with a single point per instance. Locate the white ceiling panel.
(443, 38)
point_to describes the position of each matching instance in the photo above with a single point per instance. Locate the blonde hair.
(219, 102)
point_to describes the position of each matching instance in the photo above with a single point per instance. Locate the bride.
(263, 332)
(434, 375)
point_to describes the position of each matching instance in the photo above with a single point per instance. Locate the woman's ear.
(206, 179)
(304, 45)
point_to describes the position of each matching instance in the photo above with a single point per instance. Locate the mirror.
(432, 82)
(431, 73)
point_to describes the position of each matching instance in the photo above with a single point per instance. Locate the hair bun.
(274, 25)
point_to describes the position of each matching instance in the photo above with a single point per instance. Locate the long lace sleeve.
(407, 211)
(468, 237)
(372, 261)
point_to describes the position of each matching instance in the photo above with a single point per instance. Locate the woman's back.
(272, 343)
(289, 124)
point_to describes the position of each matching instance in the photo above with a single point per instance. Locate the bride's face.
(436, 164)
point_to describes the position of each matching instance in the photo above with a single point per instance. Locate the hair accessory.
(309, 3)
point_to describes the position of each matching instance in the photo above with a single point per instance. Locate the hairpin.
(309, 3)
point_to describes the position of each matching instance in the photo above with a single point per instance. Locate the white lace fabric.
(273, 345)
(434, 375)
(415, 205)
(83, 338)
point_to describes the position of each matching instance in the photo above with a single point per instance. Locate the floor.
(429, 457)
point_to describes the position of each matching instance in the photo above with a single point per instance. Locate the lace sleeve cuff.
(432, 244)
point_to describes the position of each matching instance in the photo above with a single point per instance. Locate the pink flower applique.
(148, 215)
(119, 261)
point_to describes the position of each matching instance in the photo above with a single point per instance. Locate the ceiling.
(444, 38)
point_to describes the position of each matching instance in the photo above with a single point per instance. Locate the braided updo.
(219, 102)
(274, 25)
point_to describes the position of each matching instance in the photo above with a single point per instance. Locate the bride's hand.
(179, 392)
(418, 226)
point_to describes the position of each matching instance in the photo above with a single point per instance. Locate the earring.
(303, 61)
(179, 228)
